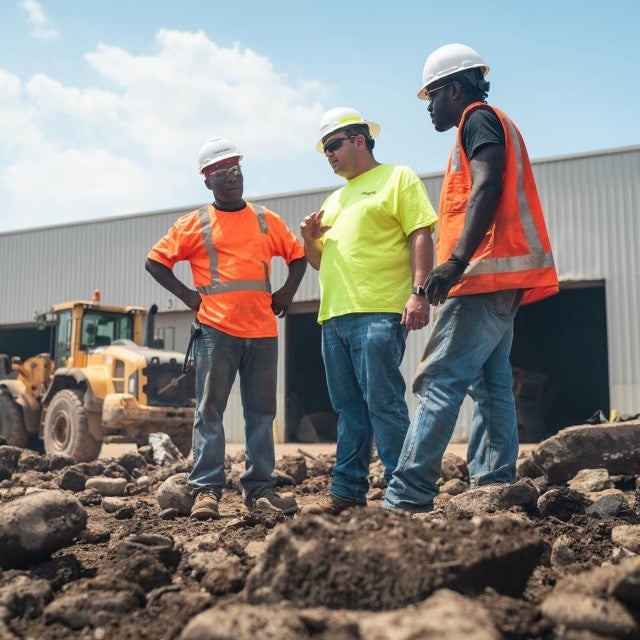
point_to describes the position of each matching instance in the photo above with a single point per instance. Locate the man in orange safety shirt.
(229, 245)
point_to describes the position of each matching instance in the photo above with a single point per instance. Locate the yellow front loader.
(99, 384)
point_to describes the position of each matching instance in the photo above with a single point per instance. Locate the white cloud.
(192, 88)
(132, 146)
(39, 22)
(86, 183)
(17, 128)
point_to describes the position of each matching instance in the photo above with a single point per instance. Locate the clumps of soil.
(494, 562)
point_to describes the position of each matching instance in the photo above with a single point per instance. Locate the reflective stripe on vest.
(216, 286)
(538, 257)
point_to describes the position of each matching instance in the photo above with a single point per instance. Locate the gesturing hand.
(311, 228)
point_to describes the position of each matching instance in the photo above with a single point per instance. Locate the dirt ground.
(268, 576)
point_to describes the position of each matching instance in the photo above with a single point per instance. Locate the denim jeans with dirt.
(219, 358)
(467, 352)
(362, 353)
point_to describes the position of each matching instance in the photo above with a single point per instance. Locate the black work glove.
(442, 278)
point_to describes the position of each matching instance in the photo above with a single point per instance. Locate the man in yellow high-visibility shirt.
(371, 243)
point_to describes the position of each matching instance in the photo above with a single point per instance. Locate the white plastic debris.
(164, 451)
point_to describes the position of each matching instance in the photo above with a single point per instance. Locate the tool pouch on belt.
(196, 330)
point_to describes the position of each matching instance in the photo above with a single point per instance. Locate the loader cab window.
(101, 328)
(63, 338)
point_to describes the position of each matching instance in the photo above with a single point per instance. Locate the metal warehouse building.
(573, 354)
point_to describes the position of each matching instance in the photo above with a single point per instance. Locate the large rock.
(245, 622)
(614, 446)
(615, 580)
(174, 493)
(33, 526)
(22, 596)
(96, 602)
(589, 613)
(561, 503)
(446, 614)
(107, 486)
(590, 480)
(606, 507)
(627, 536)
(293, 466)
(603, 600)
(492, 498)
(453, 467)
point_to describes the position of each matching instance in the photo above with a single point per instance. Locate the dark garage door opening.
(309, 416)
(560, 361)
(559, 357)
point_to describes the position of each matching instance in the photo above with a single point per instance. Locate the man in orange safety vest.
(492, 255)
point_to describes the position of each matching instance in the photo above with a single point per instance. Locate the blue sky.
(104, 105)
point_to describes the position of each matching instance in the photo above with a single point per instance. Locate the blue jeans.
(219, 357)
(467, 351)
(362, 353)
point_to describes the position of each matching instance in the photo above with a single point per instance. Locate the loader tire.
(66, 428)
(12, 427)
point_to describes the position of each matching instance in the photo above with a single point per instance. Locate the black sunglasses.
(335, 144)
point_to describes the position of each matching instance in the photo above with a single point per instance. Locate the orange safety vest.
(515, 252)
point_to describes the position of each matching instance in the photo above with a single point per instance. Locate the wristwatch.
(418, 290)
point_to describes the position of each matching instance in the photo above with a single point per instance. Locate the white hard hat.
(214, 150)
(341, 117)
(448, 60)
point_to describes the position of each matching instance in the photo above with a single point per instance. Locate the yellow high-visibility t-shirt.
(366, 256)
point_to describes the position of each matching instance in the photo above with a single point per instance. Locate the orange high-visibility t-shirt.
(230, 256)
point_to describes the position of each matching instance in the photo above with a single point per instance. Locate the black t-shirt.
(481, 127)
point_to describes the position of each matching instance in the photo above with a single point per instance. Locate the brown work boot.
(330, 504)
(271, 501)
(205, 506)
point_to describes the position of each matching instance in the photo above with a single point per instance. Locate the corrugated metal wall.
(592, 204)
(43, 266)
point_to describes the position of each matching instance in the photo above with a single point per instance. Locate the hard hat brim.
(221, 159)
(422, 94)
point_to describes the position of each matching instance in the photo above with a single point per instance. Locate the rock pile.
(106, 550)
